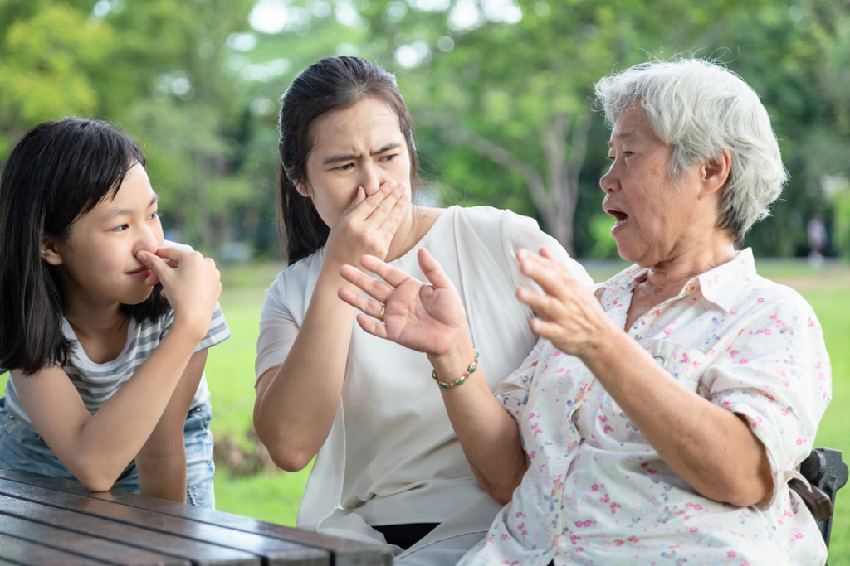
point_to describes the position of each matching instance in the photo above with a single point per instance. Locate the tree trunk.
(556, 203)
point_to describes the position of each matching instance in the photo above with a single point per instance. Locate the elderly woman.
(660, 417)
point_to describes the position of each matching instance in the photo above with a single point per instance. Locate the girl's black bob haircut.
(56, 174)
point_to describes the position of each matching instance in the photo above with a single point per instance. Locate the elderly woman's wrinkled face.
(658, 219)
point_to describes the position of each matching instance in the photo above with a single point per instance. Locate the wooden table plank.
(26, 552)
(345, 552)
(276, 551)
(92, 547)
(196, 551)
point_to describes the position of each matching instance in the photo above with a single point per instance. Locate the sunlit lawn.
(275, 497)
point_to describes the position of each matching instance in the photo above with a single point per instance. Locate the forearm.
(115, 434)
(163, 475)
(711, 448)
(295, 410)
(488, 435)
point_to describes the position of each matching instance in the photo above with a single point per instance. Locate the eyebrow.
(624, 135)
(351, 156)
(122, 211)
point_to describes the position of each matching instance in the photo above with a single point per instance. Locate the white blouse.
(392, 456)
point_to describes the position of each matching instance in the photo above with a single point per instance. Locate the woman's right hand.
(425, 318)
(368, 225)
(191, 283)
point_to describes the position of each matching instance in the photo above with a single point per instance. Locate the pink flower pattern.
(598, 493)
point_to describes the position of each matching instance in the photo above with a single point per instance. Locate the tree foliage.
(501, 91)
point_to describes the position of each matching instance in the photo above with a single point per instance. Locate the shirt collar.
(720, 285)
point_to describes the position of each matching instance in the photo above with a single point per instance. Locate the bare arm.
(297, 401)
(96, 448)
(161, 462)
(709, 447)
(488, 435)
(431, 319)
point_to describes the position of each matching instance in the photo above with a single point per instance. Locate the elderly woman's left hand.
(573, 320)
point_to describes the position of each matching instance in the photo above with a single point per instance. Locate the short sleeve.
(513, 392)
(776, 375)
(218, 331)
(522, 232)
(278, 330)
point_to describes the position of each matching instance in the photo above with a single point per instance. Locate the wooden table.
(46, 520)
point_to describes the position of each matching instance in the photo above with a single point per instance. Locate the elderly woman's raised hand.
(569, 316)
(422, 317)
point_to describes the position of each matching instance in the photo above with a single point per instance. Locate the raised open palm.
(422, 317)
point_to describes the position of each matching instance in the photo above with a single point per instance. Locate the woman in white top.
(388, 465)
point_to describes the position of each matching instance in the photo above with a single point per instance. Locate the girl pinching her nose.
(104, 329)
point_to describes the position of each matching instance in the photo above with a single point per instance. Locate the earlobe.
(49, 253)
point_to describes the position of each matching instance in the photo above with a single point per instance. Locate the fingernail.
(142, 255)
(399, 187)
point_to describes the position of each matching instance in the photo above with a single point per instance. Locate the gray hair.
(701, 108)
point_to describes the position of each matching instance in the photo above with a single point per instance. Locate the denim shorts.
(23, 449)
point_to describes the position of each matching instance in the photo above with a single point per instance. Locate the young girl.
(104, 330)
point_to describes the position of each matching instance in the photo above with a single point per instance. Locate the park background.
(500, 91)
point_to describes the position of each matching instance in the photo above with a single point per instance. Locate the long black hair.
(57, 173)
(334, 83)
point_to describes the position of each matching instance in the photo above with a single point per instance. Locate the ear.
(303, 189)
(715, 173)
(50, 252)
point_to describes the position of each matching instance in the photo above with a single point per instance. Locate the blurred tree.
(513, 81)
(500, 89)
(157, 68)
(49, 60)
(829, 142)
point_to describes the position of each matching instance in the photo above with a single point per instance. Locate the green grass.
(274, 497)
(832, 306)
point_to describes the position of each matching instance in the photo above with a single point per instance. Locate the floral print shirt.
(596, 492)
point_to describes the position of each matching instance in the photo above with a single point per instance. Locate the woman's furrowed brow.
(351, 156)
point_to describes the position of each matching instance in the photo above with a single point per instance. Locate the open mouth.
(619, 216)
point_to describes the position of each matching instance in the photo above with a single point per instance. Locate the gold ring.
(381, 316)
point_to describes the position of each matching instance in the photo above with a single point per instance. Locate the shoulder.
(297, 275)
(289, 294)
(490, 218)
(766, 295)
(500, 229)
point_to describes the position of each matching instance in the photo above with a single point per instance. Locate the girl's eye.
(121, 228)
(345, 167)
(154, 215)
(389, 158)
